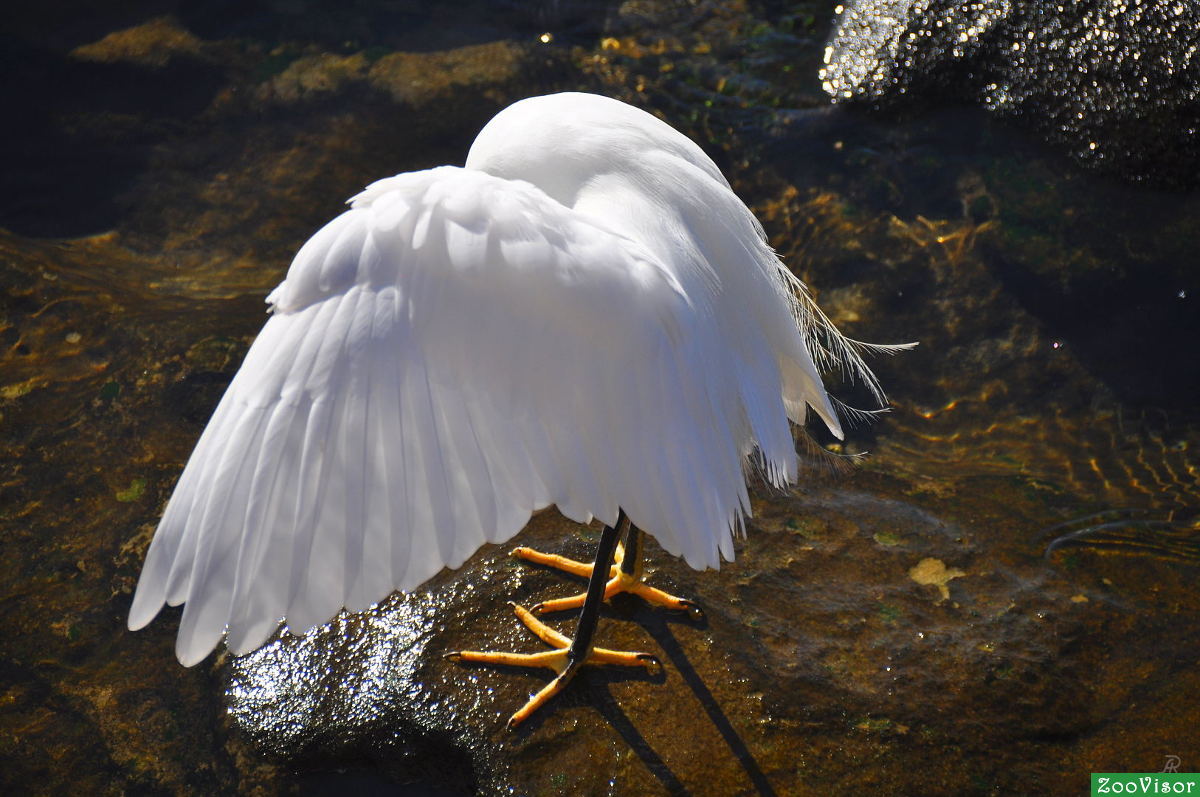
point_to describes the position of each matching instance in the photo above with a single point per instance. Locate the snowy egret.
(585, 316)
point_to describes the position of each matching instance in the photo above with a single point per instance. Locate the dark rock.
(1115, 84)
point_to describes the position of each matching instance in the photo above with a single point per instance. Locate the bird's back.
(585, 316)
(641, 178)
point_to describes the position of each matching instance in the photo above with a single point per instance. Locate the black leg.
(571, 654)
(585, 631)
(631, 564)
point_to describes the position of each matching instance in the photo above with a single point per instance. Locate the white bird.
(584, 316)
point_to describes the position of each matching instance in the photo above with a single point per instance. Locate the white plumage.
(584, 316)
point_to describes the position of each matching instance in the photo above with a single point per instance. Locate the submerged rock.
(1114, 83)
(152, 44)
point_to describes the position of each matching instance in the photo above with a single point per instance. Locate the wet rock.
(818, 653)
(1115, 84)
(823, 666)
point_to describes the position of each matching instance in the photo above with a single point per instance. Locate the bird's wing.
(451, 354)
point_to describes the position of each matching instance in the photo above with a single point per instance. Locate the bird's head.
(562, 143)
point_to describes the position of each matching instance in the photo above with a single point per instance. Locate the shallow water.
(896, 626)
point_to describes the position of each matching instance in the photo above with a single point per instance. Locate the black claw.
(693, 608)
(649, 659)
(454, 655)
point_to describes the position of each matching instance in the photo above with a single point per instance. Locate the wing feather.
(371, 575)
(453, 353)
(265, 561)
(224, 421)
(214, 565)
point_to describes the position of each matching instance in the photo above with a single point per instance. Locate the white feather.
(585, 316)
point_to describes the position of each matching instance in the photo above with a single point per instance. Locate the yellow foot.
(558, 660)
(618, 581)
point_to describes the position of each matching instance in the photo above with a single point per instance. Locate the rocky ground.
(893, 627)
